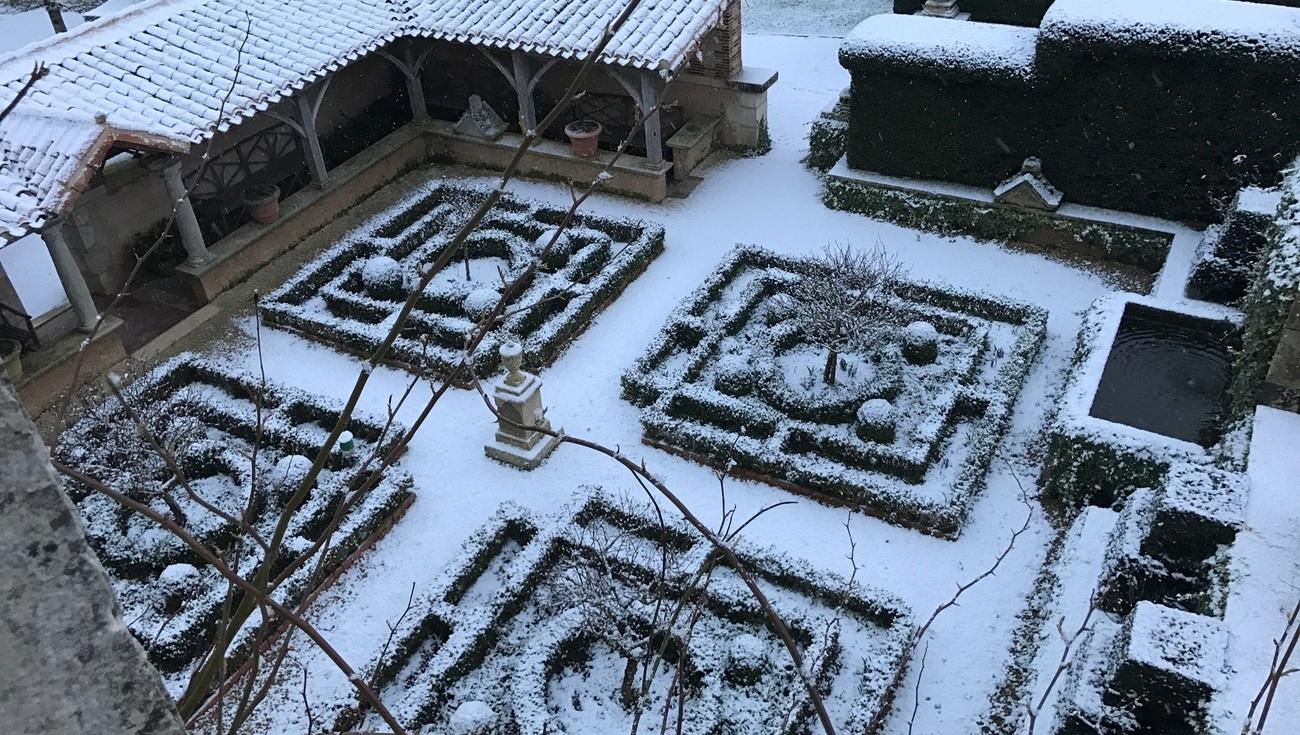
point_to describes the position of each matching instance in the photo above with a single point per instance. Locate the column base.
(524, 459)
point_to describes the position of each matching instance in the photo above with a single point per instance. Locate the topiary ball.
(734, 375)
(480, 301)
(920, 343)
(472, 717)
(746, 660)
(382, 279)
(876, 421)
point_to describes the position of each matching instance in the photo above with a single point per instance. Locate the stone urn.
(584, 136)
(11, 364)
(262, 202)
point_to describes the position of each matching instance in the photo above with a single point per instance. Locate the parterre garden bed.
(511, 638)
(349, 295)
(731, 379)
(207, 414)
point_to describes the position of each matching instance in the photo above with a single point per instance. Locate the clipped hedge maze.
(506, 640)
(170, 597)
(725, 382)
(348, 295)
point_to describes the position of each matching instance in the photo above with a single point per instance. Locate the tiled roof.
(167, 68)
(660, 34)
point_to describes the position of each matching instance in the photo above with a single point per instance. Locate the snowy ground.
(771, 201)
(809, 17)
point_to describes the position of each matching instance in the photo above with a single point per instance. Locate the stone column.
(186, 223)
(74, 284)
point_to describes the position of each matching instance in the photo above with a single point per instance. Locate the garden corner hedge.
(1149, 109)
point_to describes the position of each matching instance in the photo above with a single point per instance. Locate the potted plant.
(263, 202)
(584, 135)
(10, 352)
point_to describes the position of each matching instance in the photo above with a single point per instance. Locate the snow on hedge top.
(1222, 25)
(1182, 643)
(916, 40)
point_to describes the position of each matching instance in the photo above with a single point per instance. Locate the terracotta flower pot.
(263, 203)
(584, 136)
(11, 365)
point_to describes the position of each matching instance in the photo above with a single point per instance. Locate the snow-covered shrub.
(473, 717)
(1229, 251)
(1169, 664)
(1273, 287)
(208, 412)
(1026, 91)
(799, 432)
(382, 279)
(502, 626)
(1200, 510)
(920, 343)
(827, 136)
(876, 422)
(342, 297)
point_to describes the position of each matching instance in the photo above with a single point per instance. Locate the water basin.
(1167, 373)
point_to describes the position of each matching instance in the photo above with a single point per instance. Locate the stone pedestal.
(518, 398)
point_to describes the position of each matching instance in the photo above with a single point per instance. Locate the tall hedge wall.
(1163, 124)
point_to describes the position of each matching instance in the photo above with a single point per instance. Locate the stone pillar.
(186, 223)
(518, 398)
(74, 284)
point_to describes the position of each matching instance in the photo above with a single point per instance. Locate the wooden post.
(523, 85)
(410, 64)
(654, 138)
(302, 119)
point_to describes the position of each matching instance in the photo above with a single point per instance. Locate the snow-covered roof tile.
(182, 69)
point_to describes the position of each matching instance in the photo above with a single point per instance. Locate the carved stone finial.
(512, 356)
(1029, 188)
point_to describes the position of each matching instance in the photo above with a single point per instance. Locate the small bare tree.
(840, 298)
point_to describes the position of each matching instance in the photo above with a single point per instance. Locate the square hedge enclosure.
(348, 296)
(906, 436)
(518, 636)
(208, 414)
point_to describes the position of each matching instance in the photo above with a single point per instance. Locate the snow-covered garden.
(899, 432)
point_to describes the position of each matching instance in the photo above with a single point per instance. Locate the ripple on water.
(1167, 373)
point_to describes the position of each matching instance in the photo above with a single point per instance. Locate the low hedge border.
(930, 212)
(682, 413)
(208, 408)
(325, 301)
(449, 638)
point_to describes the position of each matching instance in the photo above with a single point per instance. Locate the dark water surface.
(1167, 373)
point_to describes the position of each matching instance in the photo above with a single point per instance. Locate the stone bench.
(693, 142)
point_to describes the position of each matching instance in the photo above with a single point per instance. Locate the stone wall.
(70, 664)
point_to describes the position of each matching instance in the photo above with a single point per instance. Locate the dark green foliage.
(1080, 471)
(1145, 249)
(1187, 121)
